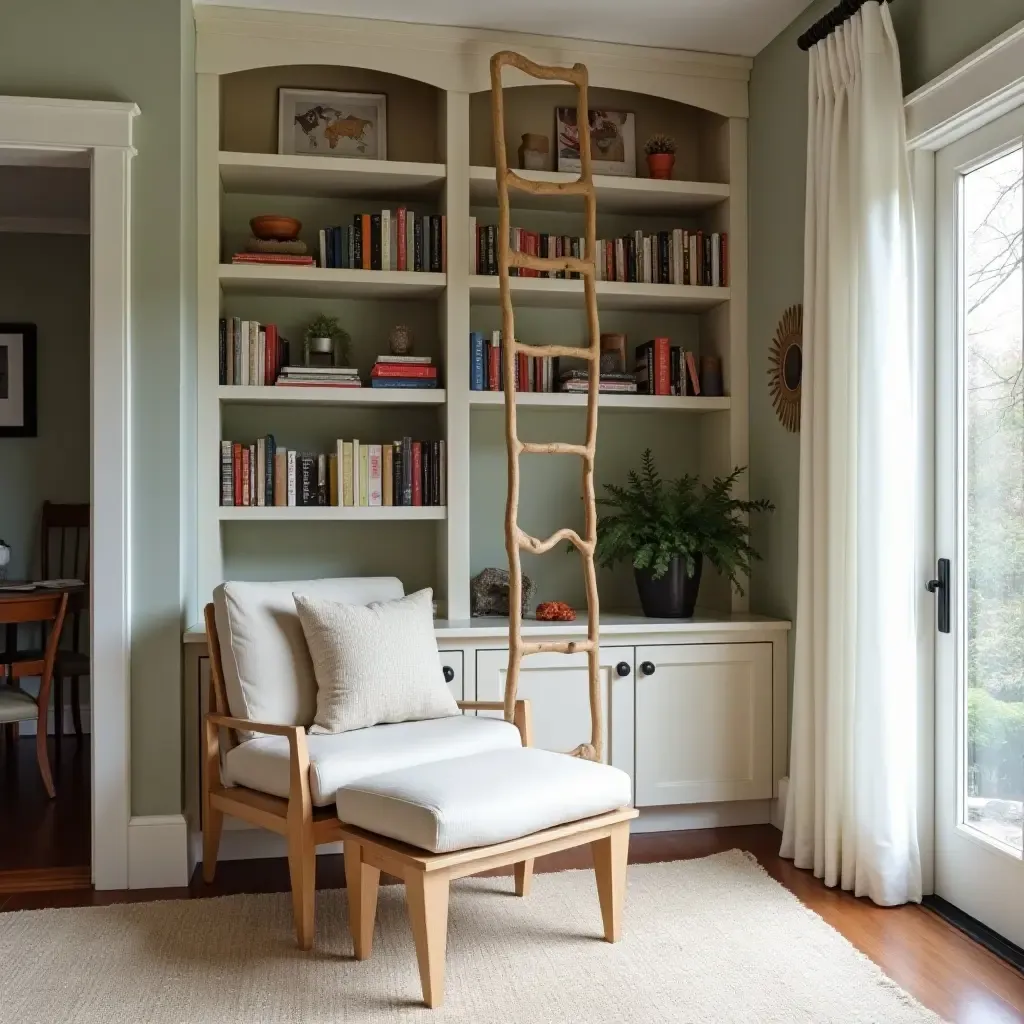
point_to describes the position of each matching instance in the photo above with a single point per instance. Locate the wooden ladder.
(515, 539)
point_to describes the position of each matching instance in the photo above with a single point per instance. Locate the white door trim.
(102, 133)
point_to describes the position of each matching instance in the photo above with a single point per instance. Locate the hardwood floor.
(945, 970)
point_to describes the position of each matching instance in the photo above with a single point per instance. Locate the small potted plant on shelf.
(668, 528)
(326, 343)
(661, 155)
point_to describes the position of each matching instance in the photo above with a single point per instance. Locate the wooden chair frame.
(304, 826)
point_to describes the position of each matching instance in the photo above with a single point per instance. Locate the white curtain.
(851, 813)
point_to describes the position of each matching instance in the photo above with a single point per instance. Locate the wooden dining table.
(78, 596)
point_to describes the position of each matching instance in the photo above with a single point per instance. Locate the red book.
(493, 367)
(522, 372)
(402, 256)
(662, 370)
(538, 373)
(365, 235)
(273, 257)
(691, 368)
(246, 469)
(403, 370)
(273, 359)
(417, 473)
(609, 261)
(236, 471)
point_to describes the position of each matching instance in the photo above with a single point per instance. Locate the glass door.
(979, 579)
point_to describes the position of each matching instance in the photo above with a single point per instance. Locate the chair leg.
(523, 871)
(427, 897)
(213, 825)
(363, 881)
(43, 757)
(302, 870)
(58, 712)
(610, 855)
(76, 705)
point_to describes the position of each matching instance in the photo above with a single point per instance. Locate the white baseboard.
(157, 852)
(29, 728)
(694, 816)
(779, 805)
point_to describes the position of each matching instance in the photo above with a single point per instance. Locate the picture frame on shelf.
(328, 123)
(18, 380)
(612, 141)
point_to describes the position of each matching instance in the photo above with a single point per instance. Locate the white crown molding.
(30, 121)
(230, 39)
(979, 89)
(44, 225)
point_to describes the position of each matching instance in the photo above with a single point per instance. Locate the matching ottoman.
(435, 822)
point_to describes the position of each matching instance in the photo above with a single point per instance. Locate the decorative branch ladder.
(515, 539)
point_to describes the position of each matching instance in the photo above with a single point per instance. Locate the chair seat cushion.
(336, 759)
(16, 705)
(482, 799)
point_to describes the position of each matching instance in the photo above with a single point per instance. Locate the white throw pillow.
(374, 664)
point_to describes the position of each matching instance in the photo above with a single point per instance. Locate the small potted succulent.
(668, 528)
(661, 155)
(326, 343)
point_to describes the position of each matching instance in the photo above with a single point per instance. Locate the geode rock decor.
(489, 593)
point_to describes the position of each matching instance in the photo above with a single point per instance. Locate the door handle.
(622, 669)
(940, 587)
(647, 668)
(449, 673)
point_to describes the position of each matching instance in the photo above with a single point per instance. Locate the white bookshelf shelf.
(559, 292)
(330, 513)
(612, 403)
(366, 396)
(643, 196)
(325, 283)
(330, 177)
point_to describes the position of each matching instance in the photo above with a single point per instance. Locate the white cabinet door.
(557, 687)
(451, 665)
(703, 723)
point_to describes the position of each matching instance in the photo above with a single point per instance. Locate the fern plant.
(651, 521)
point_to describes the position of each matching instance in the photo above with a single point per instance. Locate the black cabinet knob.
(622, 668)
(449, 673)
(647, 668)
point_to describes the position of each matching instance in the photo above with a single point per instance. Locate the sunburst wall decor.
(785, 367)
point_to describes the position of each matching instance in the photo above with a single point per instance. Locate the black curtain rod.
(826, 26)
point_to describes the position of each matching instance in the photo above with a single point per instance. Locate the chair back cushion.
(268, 673)
(377, 664)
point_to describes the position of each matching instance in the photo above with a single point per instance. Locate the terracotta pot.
(275, 226)
(659, 165)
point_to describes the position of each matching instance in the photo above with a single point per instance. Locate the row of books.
(486, 366)
(679, 256)
(251, 353)
(405, 473)
(666, 369)
(389, 240)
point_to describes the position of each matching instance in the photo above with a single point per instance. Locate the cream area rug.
(712, 940)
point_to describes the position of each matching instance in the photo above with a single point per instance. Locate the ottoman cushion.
(482, 799)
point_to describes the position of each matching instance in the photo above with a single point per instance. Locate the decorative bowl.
(274, 226)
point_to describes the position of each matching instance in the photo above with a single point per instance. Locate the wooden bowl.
(274, 226)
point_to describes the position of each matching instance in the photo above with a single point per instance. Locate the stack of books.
(666, 369)
(486, 362)
(319, 377)
(251, 353)
(576, 382)
(400, 473)
(274, 258)
(388, 240)
(668, 257)
(403, 372)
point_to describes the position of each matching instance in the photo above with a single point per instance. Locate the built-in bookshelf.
(441, 164)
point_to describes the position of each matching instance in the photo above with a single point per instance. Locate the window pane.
(994, 448)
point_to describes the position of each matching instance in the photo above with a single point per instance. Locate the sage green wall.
(933, 35)
(141, 52)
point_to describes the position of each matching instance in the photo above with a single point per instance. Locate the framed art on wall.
(17, 380)
(318, 122)
(612, 141)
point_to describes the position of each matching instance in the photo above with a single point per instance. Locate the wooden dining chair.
(16, 705)
(65, 555)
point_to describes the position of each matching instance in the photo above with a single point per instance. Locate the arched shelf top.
(456, 59)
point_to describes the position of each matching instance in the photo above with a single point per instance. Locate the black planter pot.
(674, 596)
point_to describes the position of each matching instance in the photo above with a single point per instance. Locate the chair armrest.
(522, 717)
(245, 725)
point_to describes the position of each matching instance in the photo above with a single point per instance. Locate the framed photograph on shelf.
(318, 122)
(17, 380)
(612, 141)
